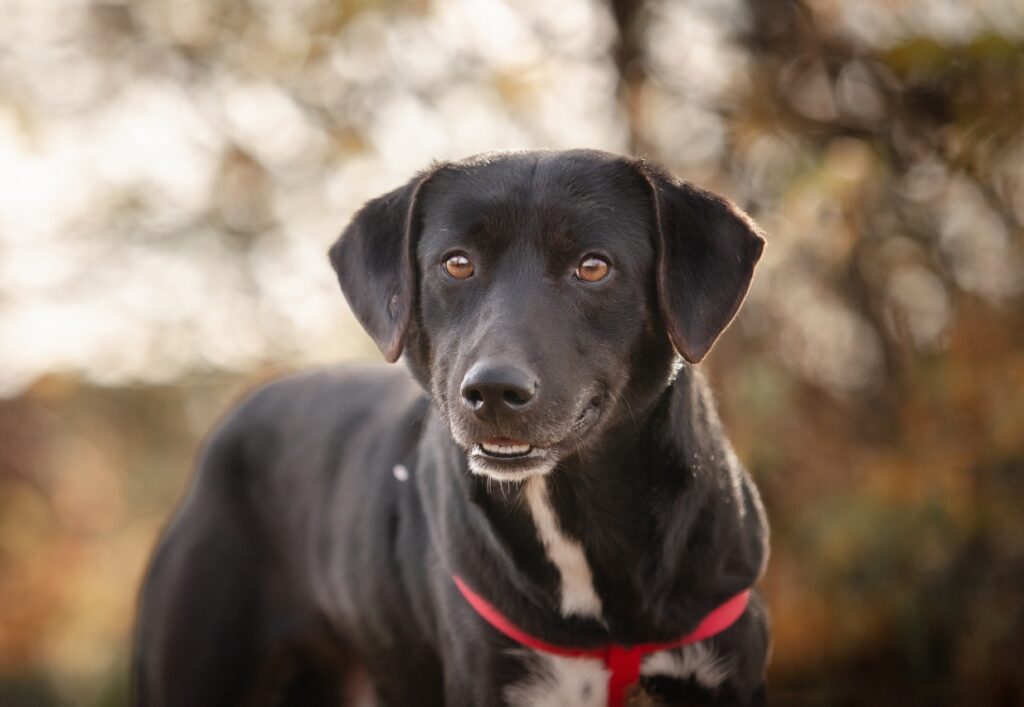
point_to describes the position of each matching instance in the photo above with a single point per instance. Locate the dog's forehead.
(564, 196)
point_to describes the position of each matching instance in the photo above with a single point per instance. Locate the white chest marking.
(578, 595)
(697, 661)
(556, 681)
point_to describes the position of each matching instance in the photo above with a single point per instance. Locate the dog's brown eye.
(592, 269)
(458, 266)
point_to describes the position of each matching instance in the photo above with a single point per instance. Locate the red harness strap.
(622, 662)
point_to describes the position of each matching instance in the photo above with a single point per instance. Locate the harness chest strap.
(622, 662)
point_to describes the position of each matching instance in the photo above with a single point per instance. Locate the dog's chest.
(558, 681)
(553, 680)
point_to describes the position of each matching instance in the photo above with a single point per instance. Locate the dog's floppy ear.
(707, 249)
(374, 261)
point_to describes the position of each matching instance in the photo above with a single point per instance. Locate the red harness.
(622, 662)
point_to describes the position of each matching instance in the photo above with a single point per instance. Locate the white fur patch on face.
(566, 554)
(556, 681)
(697, 661)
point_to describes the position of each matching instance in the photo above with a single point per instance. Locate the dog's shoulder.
(296, 417)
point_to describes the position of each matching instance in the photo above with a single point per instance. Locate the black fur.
(298, 560)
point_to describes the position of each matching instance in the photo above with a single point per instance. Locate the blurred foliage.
(172, 173)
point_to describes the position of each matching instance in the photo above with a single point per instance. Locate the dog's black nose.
(489, 389)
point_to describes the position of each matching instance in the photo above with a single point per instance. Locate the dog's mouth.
(510, 459)
(504, 459)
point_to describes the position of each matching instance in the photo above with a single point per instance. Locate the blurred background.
(172, 172)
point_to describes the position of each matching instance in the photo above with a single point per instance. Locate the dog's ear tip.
(691, 354)
(393, 352)
(334, 253)
(755, 250)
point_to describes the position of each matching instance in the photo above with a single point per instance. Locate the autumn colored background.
(172, 172)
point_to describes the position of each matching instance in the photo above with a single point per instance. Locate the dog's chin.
(537, 463)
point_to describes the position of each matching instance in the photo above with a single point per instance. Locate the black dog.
(564, 467)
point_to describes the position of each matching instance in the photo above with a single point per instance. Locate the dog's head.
(539, 296)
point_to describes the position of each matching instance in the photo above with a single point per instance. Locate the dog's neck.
(634, 537)
(595, 514)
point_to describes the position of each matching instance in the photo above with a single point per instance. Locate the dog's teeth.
(506, 449)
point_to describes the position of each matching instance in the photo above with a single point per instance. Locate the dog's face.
(540, 294)
(536, 285)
